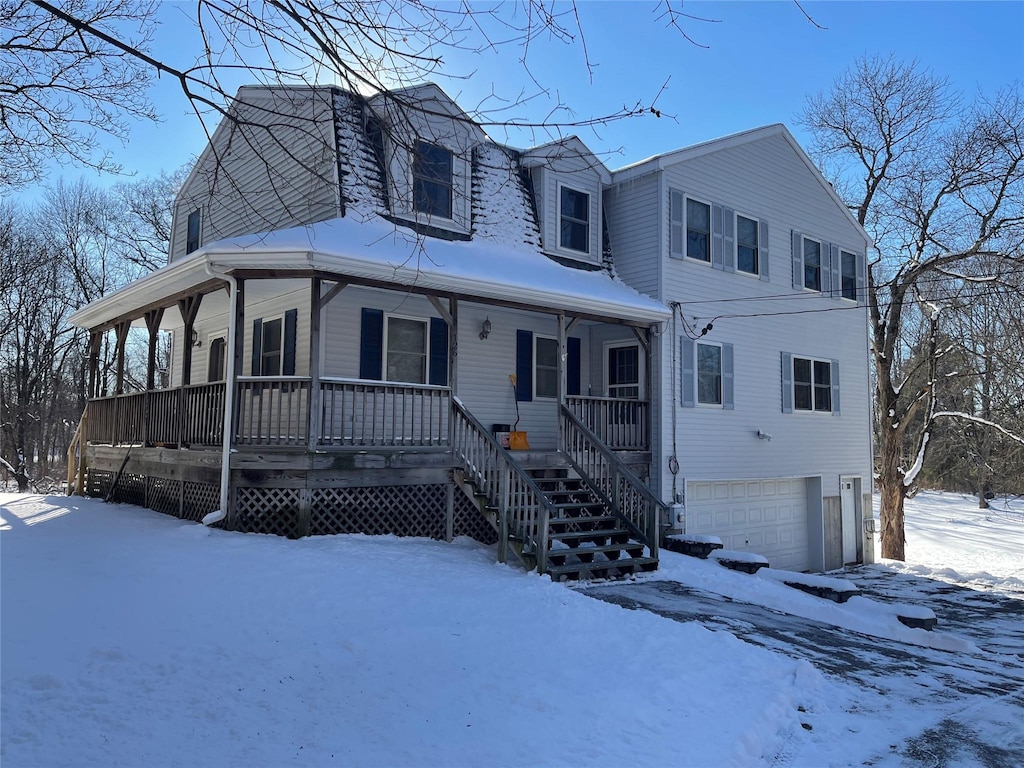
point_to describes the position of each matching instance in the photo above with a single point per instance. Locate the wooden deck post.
(231, 385)
(95, 340)
(121, 329)
(153, 318)
(314, 417)
(563, 354)
(189, 308)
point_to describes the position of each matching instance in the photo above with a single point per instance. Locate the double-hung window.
(193, 231)
(747, 245)
(812, 264)
(406, 350)
(812, 384)
(574, 220)
(218, 359)
(848, 275)
(709, 374)
(271, 347)
(698, 230)
(545, 367)
(432, 180)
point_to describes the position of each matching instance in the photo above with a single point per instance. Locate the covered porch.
(308, 396)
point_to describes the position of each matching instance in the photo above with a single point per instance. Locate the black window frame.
(692, 234)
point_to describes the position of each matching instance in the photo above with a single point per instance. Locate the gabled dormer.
(427, 144)
(568, 180)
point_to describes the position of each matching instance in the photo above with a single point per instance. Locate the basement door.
(768, 517)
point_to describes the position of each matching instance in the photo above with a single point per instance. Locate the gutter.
(229, 398)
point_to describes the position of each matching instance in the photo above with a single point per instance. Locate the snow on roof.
(379, 251)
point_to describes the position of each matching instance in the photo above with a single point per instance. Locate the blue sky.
(761, 62)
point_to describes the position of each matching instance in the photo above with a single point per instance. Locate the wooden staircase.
(585, 539)
(573, 514)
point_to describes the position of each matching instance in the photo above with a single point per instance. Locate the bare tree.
(59, 87)
(938, 182)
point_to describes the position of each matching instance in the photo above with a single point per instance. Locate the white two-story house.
(367, 297)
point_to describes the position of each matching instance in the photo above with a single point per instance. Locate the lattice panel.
(267, 510)
(98, 483)
(469, 521)
(164, 495)
(199, 500)
(402, 510)
(131, 489)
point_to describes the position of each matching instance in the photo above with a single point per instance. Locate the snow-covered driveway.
(979, 688)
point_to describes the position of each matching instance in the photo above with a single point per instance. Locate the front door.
(848, 502)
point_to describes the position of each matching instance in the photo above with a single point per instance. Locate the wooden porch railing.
(621, 424)
(357, 413)
(191, 416)
(272, 410)
(523, 510)
(626, 493)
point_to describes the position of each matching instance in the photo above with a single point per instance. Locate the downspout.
(229, 385)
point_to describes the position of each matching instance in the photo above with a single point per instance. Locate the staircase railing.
(630, 497)
(523, 510)
(76, 457)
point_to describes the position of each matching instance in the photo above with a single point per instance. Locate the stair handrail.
(580, 438)
(523, 509)
(76, 471)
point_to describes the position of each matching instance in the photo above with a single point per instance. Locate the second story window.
(849, 275)
(746, 245)
(432, 180)
(574, 224)
(812, 264)
(698, 230)
(193, 233)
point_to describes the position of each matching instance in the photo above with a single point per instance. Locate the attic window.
(574, 225)
(192, 233)
(432, 180)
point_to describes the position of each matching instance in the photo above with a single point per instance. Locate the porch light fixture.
(195, 339)
(485, 329)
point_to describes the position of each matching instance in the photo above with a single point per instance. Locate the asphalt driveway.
(956, 682)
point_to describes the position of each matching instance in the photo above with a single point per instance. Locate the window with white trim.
(848, 275)
(812, 263)
(812, 384)
(432, 184)
(747, 245)
(217, 368)
(271, 346)
(545, 366)
(405, 349)
(709, 374)
(573, 219)
(193, 231)
(698, 230)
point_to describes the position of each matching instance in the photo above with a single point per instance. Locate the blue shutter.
(688, 348)
(835, 387)
(255, 364)
(798, 260)
(572, 366)
(729, 245)
(862, 293)
(787, 382)
(836, 280)
(438, 352)
(288, 353)
(677, 234)
(524, 366)
(371, 344)
(717, 237)
(728, 401)
(762, 251)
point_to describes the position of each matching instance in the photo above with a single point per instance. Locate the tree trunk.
(891, 489)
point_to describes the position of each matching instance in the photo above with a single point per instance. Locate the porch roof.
(378, 252)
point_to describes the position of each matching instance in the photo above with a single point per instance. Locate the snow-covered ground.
(133, 639)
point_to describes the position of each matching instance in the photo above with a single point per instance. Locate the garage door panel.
(768, 517)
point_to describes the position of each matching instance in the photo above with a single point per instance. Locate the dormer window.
(432, 180)
(574, 220)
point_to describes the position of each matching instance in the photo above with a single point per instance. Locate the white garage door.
(768, 517)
